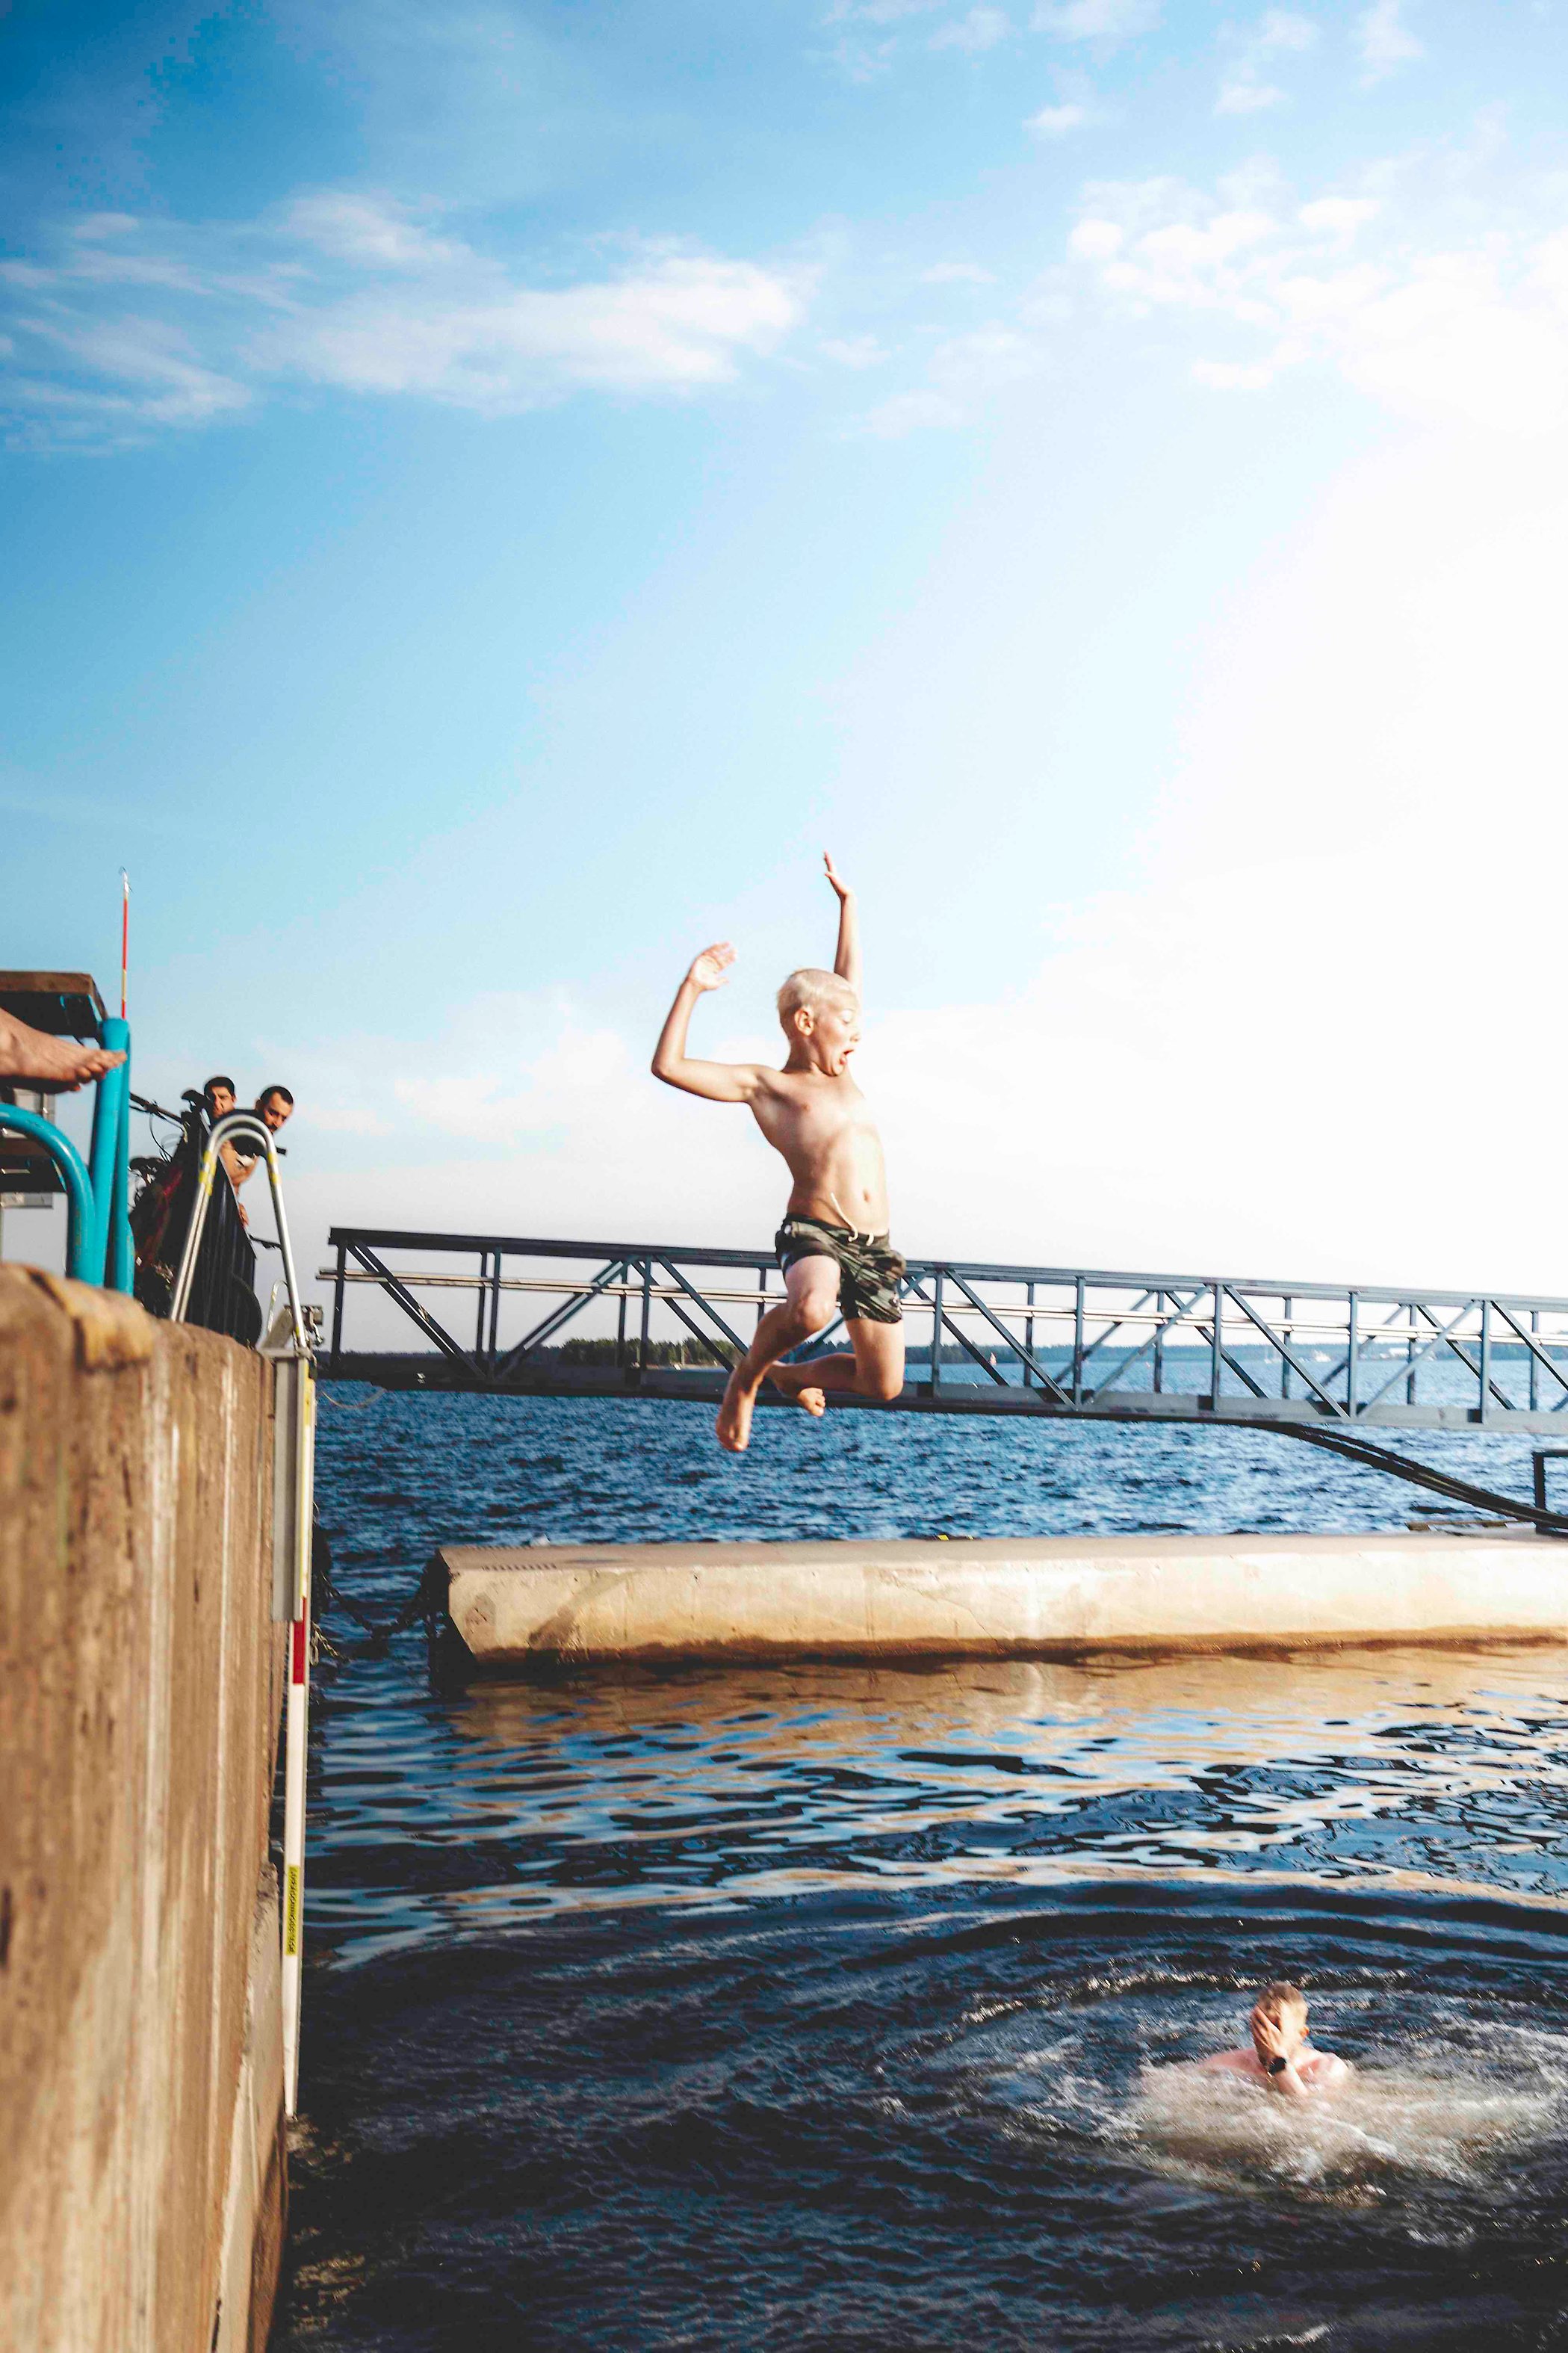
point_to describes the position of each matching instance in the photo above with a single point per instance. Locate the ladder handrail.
(232, 1123)
(82, 1227)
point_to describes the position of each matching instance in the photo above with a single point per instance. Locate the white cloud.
(372, 231)
(963, 370)
(981, 29)
(1055, 121)
(1245, 92)
(1384, 40)
(913, 412)
(1476, 328)
(1097, 240)
(675, 324)
(128, 325)
(1226, 376)
(1108, 22)
(1338, 217)
(867, 34)
(854, 351)
(1245, 88)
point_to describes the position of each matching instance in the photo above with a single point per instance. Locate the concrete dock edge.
(1039, 1596)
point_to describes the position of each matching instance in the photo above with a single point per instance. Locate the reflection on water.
(728, 1784)
(848, 2011)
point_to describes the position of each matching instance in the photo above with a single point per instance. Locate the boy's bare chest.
(822, 1114)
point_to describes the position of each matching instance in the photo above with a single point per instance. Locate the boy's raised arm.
(846, 962)
(720, 1082)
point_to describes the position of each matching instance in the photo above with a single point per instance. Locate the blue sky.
(491, 491)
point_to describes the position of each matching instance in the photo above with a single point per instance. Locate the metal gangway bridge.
(1321, 1361)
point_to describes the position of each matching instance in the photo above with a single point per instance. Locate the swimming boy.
(1281, 2053)
(832, 1244)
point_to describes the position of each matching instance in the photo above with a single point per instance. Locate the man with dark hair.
(217, 1098)
(274, 1108)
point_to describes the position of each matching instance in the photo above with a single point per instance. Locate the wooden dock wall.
(141, 2154)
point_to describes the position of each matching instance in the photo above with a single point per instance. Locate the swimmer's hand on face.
(1281, 2054)
(1276, 2055)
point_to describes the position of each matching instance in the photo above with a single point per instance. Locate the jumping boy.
(1281, 2053)
(832, 1244)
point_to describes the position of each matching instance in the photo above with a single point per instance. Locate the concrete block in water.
(1030, 1596)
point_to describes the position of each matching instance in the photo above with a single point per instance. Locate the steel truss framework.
(1316, 1361)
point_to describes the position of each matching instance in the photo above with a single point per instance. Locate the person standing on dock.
(832, 1244)
(274, 1108)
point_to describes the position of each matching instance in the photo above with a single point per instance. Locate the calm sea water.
(846, 2008)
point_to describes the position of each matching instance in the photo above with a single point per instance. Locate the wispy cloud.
(123, 326)
(1385, 40)
(963, 371)
(1247, 87)
(1074, 107)
(979, 30)
(1057, 121)
(1106, 22)
(1475, 326)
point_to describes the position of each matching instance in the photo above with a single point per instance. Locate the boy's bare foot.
(795, 1382)
(734, 1423)
(33, 1057)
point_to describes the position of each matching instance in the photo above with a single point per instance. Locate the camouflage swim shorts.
(869, 1272)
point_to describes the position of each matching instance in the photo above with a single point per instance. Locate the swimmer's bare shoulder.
(1319, 2068)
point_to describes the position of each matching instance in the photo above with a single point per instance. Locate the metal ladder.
(289, 1345)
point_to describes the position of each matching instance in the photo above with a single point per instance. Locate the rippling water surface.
(850, 2008)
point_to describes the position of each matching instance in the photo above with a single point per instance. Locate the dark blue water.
(845, 2008)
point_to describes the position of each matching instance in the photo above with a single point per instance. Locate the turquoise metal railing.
(110, 1162)
(98, 1190)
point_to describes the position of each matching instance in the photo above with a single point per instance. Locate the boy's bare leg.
(875, 1370)
(810, 1301)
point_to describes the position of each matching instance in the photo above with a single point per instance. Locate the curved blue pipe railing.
(99, 1247)
(84, 1245)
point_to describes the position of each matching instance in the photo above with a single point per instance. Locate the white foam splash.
(1384, 2122)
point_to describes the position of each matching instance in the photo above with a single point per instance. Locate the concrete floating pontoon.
(1039, 1596)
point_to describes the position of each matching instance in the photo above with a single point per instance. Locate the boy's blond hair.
(1279, 1997)
(810, 991)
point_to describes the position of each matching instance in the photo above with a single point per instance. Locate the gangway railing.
(1321, 1362)
(289, 1344)
(982, 1337)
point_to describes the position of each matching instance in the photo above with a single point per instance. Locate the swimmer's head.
(820, 1014)
(1285, 2005)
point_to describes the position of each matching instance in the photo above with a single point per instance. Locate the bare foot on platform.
(795, 1382)
(31, 1058)
(734, 1423)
